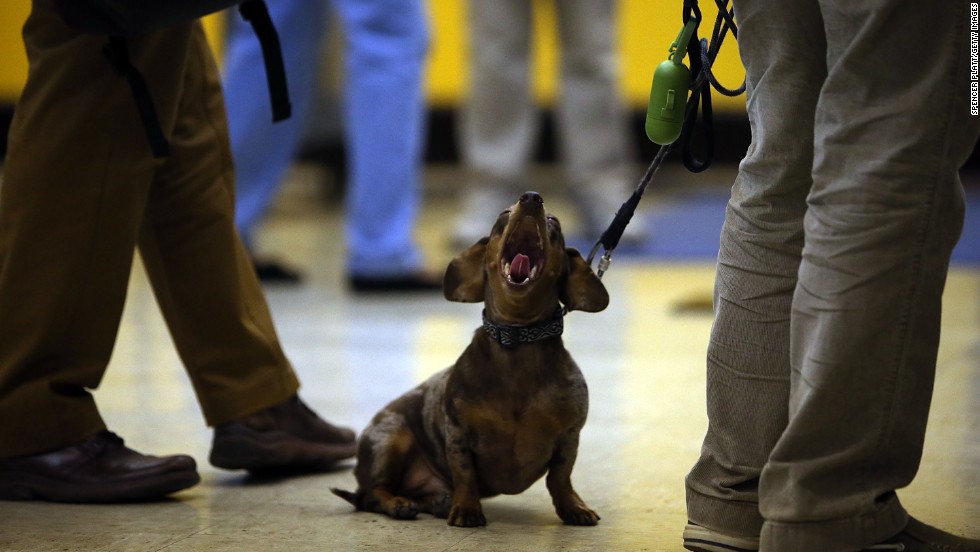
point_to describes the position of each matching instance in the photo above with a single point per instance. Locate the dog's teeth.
(534, 272)
(507, 269)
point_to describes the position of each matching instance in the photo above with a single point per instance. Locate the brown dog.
(511, 408)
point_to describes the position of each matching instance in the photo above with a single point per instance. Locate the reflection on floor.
(643, 358)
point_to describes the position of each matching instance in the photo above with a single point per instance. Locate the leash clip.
(604, 261)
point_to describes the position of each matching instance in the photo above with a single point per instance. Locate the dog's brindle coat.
(502, 416)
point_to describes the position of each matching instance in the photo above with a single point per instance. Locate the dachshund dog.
(511, 408)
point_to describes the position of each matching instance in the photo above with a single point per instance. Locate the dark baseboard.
(731, 132)
(732, 137)
(6, 114)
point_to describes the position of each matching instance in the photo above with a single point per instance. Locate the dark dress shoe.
(272, 272)
(919, 537)
(99, 469)
(283, 439)
(416, 281)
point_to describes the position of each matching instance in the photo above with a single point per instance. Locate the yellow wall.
(646, 29)
(13, 62)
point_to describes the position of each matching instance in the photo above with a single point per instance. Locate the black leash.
(702, 54)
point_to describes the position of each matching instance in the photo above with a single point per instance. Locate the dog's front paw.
(402, 508)
(466, 516)
(578, 515)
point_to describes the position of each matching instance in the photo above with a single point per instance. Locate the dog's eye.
(554, 222)
(554, 227)
(502, 218)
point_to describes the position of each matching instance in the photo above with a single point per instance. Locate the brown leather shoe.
(282, 439)
(99, 469)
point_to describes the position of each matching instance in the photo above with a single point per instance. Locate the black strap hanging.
(253, 11)
(117, 52)
(256, 13)
(700, 97)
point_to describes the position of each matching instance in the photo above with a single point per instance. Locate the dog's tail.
(353, 498)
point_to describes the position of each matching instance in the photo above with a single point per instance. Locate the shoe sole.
(237, 453)
(701, 539)
(32, 487)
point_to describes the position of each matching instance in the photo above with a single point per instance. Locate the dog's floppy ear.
(582, 289)
(464, 278)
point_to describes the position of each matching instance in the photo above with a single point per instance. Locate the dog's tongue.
(520, 268)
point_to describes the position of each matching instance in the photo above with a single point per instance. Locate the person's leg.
(748, 362)
(264, 150)
(591, 114)
(883, 216)
(201, 274)
(384, 126)
(499, 121)
(76, 183)
(212, 302)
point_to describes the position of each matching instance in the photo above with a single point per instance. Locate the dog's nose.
(531, 199)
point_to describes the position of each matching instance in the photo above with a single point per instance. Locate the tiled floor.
(643, 358)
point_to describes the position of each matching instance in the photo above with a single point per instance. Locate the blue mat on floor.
(968, 249)
(688, 228)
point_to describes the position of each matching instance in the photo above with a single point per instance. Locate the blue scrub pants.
(385, 45)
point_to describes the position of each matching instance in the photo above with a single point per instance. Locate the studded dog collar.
(512, 336)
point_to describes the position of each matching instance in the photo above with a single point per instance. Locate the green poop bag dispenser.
(668, 93)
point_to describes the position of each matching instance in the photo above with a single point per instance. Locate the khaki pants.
(830, 276)
(500, 123)
(81, 193)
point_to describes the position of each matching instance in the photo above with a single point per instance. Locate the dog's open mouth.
(522, 258)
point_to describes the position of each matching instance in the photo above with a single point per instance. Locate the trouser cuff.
(843, 534)
(731, 517)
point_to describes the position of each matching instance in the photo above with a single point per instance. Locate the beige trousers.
(500, 122)
(81, 193)
(834, 254)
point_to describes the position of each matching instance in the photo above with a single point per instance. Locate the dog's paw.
(462, 516)
(402, 508)
(578, 515)
(439, 507)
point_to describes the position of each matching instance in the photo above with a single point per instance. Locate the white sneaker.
(478, 209)
(702, 539)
